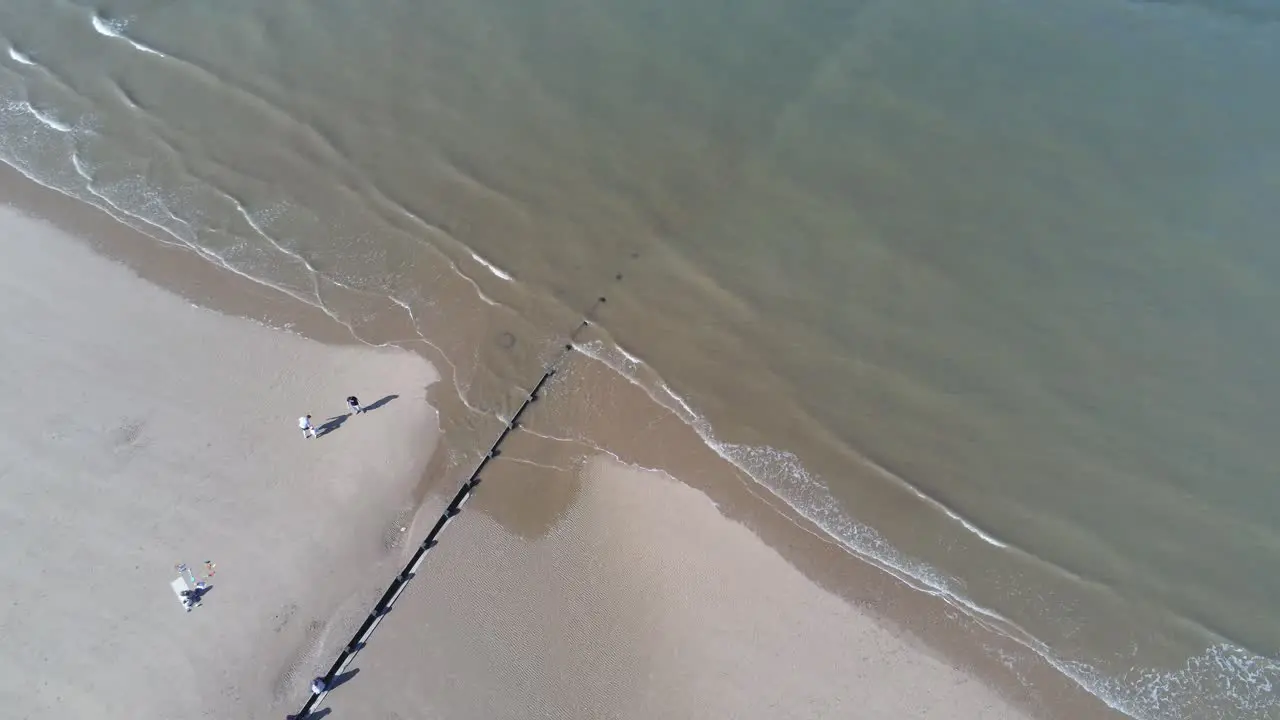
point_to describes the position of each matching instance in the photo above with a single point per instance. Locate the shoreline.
(642, 601)
(155, 432)
(934, 626)
(925, 618)
(177, 270)
(184, 273)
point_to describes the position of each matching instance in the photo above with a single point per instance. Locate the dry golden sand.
(143, 431)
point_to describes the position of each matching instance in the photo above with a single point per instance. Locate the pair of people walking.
(194, 597)
(309, 430)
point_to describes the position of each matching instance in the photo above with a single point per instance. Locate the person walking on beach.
(354, 404)
(193, 598)
(304, 423)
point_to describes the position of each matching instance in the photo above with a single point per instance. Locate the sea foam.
(20, 57)
(115, 29)
(49, 121)
(491, 267)
(1221, 682)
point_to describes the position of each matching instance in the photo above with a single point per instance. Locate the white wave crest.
(1222, 682)
(633, 359)
(115, 29)
(782, 474)
(20, 57)
(897, 479)
(47, 119)
(491, 267)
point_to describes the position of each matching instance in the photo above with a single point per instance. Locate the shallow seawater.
(984, 289)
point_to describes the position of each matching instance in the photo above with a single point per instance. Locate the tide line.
(320, 690)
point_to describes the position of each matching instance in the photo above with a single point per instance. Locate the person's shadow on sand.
(336, 421)
(339, 680)
(331, 424)
(379, 403)
(197, 595)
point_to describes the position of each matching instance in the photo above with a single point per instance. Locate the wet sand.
(586, 402)
(144, 431)
(575, 585)
(1028, 292)
(641, 601)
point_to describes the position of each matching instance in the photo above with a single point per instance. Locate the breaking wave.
(115, 29)
(1222, 682)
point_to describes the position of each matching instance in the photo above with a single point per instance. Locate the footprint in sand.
(127, 437)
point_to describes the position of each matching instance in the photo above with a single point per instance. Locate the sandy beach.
(641, 601)
(143, 432)
(148, 431)
(943, 332)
